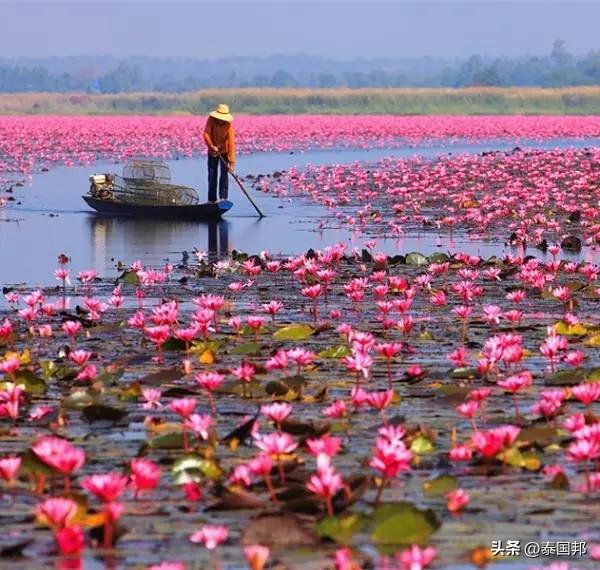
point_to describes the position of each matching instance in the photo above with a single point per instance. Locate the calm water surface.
(52, 218)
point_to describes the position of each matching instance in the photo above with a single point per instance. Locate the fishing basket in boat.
(144, 182)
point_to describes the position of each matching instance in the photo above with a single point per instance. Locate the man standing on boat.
(219, 137)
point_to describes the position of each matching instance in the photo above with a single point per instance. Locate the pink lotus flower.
(326, 482)
(276, 412)
(337, 409)
(276, 444)
(211, 536)
(583, 450)
(278, 362)
(10, 366)
(489, 444)
(301, 357)
(152, 398)
(70, 540)
(145, 475)
(272, 308)
(60, 455)
(71, 328)
(183, 407)
(460, 453)
(107, 487)
(137, 321)
(457, 499)
(416, 558)
(57, 511)
(199, 425)
(80, 357)
(326, 444)
(256, 556)
(587, 393)
(9, 467)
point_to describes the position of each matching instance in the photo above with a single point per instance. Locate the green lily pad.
(417, 259)
(33, 384)
(439, 486)
(293, 332)
(246, 348)
(100, 412)
(403, 523)
(335, 352)
(570, 330)
(438, 258)
(342, 528)
(464, 373)
(569, 377)
(80, 399)
(174, 344)
(193, 468)
(170, 440)
(421, 445)
(129, 278)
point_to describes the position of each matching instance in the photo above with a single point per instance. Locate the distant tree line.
(559, 68)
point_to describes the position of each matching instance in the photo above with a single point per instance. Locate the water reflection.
(114, 239)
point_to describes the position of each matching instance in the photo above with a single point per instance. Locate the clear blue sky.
(337, 28)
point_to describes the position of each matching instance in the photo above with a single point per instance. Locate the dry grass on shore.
(396, 101)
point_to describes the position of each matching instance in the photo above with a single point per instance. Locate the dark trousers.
(213, 173)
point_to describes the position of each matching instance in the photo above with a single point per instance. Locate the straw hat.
(222, 113)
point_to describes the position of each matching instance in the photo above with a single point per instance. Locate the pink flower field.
(40, 141)
(340, 408)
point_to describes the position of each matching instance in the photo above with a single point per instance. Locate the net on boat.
(145, 182)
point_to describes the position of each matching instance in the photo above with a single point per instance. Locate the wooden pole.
(239, 182)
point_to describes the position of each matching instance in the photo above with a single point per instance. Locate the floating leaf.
(570, 330)
(276, 388)
(440, 485)
(593, 341)
(438, 258)
(174, 344)
(207, 357)
(252, 389)
(246, 348)
(194, 468)
(464, 373)
(341, 528)
(33, 384)
(560, 482)
(100, 412)
(129, 277)
(200, 347)
(235, 499)
(542, 435)
(568, 377)
(243, 432)
(80, 399)
(305, 428)
(417, 259)
(161, 377)
(32, 464)
(335, 352)
(293, 332)
(281, 531)
(403, 523)
(170, 440)
(421, 445)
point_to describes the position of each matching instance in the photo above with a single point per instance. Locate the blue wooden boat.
(206, 211)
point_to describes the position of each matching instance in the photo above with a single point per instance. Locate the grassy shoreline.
(417, 101)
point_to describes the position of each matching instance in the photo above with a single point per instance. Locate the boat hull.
(207, 211)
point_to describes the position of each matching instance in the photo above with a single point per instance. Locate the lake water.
(52, 218)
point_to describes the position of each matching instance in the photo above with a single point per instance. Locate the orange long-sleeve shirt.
(221, 136)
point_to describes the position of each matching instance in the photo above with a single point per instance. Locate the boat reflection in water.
(153, 241)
